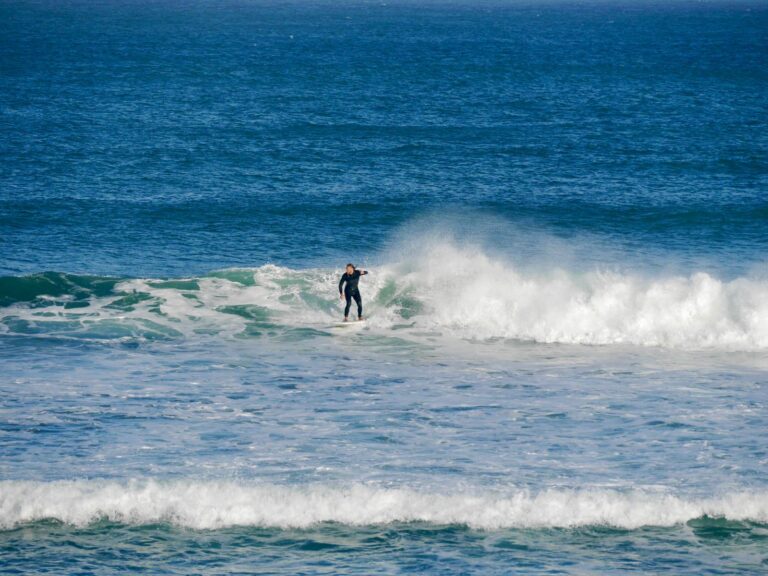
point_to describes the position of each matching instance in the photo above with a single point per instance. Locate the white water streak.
(210, 505)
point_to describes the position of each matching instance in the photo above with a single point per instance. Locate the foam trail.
(211, 505)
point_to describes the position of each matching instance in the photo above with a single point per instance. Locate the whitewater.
(562, 209)
(212, 505)
(448, 290)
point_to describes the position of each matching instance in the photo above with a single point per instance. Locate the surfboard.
(349, 325)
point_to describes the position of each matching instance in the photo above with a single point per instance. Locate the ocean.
(563, 210)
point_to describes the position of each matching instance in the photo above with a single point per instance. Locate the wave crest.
(460, 292)
(211, 505)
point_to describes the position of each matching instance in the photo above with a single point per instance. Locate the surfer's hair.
(350, 264)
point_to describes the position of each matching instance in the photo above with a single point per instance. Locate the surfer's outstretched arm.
(341, 285)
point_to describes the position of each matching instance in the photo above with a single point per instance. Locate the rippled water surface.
(563, 368)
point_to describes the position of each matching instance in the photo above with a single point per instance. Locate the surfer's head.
(350, 268)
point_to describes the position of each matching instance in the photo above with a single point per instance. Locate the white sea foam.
(210, 505)
(442, 287)
(477, 296)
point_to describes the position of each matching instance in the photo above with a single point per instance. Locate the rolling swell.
(34, 287)
(456, 292)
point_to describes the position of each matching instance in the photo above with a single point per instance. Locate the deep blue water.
(563, 209)
(179, 137)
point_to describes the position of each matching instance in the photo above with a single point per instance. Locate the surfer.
(350, 291)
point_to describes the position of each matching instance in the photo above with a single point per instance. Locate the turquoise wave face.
(36, 288)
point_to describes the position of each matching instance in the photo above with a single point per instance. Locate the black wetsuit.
(351, 291)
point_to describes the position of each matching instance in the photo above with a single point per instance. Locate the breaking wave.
(447, 290)
(211, 505)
